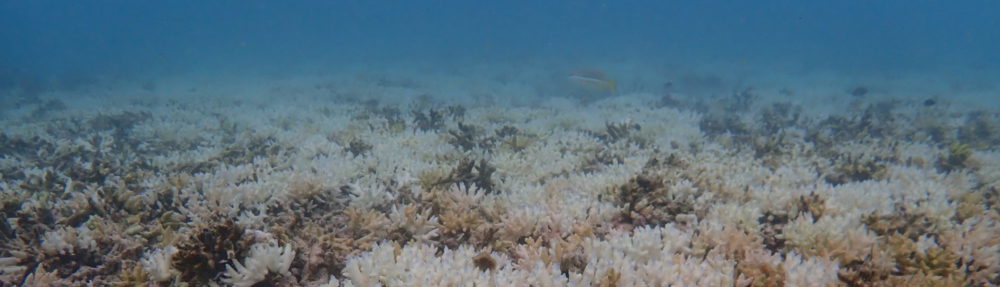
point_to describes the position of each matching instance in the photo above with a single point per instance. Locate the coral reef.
(631, 190)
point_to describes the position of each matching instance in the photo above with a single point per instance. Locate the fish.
(593, 79)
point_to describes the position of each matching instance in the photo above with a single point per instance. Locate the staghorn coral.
(759, 270)
(205, 256)
(432, 120)
(753, 191)
(469, 173)
(850, 168)
(909, 224)
(615, 132)
(780, 116)
(981, 130)
(601, 159)
(358, 147)
(259, 265)
(718, 124)
(134, 276)
(468, 137)
(651, 199)
(463, 220)
(510, 138)
(158, 265)
(958, 157)
(740, 100)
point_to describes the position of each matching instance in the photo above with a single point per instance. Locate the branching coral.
(263, 261)
(468, 137)
(852, 168)
(958, 157)
(433, 120)
(159, 264)
(656, 197)
(469, 173)
(203, 257)
(751, 191)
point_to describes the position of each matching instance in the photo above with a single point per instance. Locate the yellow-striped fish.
(593, 79)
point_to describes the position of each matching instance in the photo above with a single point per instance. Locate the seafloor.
(500, 176)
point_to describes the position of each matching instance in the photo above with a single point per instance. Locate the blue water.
(165, 37)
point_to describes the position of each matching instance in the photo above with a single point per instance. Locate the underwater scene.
(499, 143)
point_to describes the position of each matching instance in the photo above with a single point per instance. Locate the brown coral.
(203, 257)
(648, 201)
(469, 173)
(908, 224)
(857, 168)
(958, 157)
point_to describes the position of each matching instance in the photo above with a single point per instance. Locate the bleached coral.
(368, 193)
(264, 259)
(418, 264)
(10, 270)
(642, 189)
(838, 237)
(41, 277)
(651, 257)
(976, 243)
(158, 264)
(59, 242)
(812, 271)
(333, 282)
(420, 225)
(68, 240)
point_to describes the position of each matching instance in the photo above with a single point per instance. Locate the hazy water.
(167, 37)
